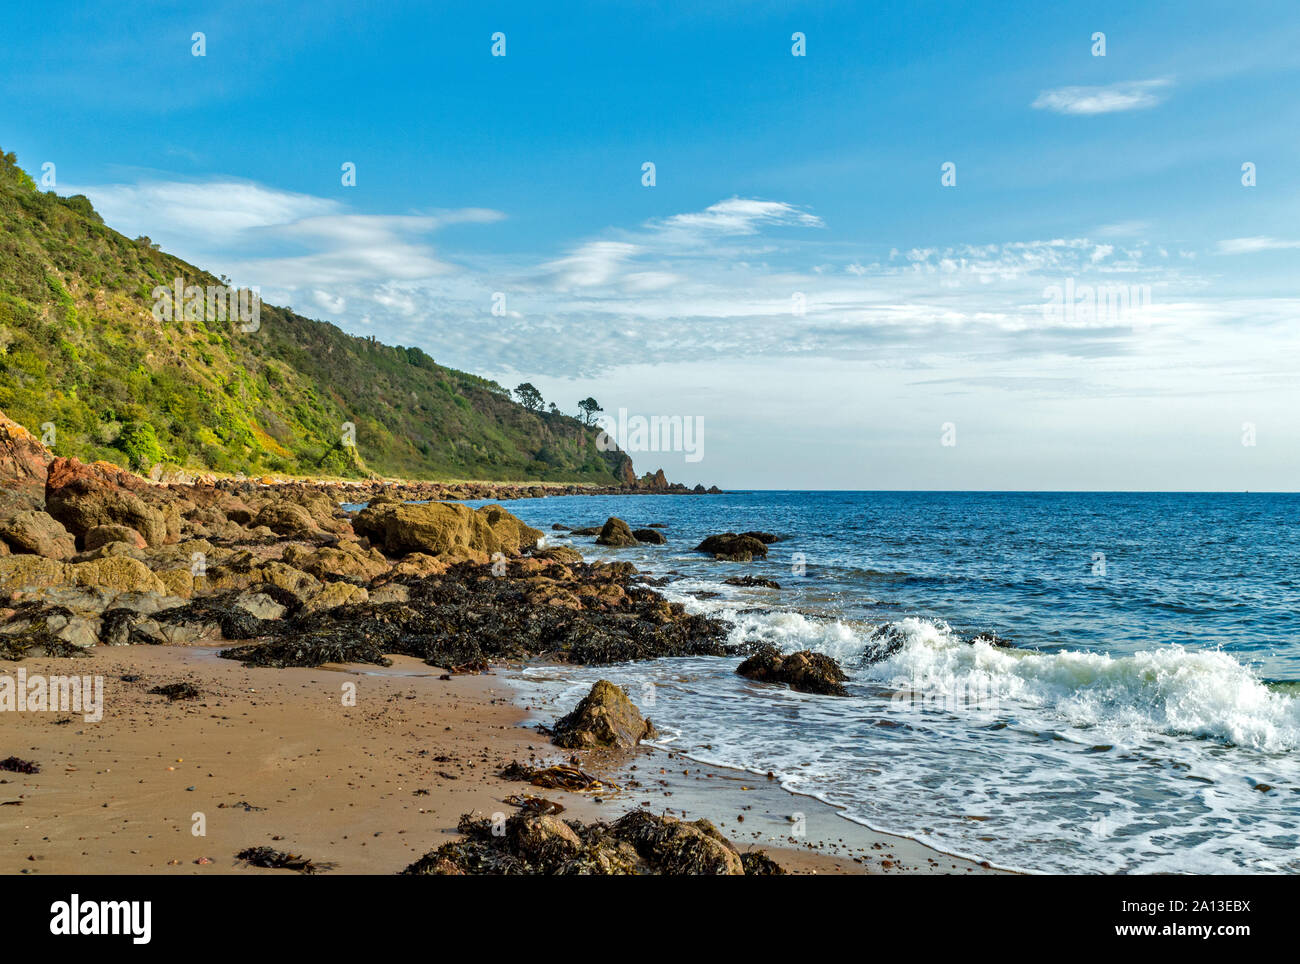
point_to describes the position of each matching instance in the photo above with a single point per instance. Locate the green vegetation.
(80, 346)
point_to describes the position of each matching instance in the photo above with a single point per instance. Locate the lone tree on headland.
(529, 397)
(589, 407)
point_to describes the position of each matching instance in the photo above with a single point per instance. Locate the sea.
(1052, 682)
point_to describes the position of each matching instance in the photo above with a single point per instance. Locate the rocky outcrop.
(730, 547)
(604, 717)
(805, 670)
(23, 459)
(652, 536)
(615, 533)
(637, 843)
(441, 528)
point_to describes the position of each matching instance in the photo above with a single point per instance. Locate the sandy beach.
(272, 757)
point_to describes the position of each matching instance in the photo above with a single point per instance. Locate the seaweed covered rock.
(604, 717)
(441, 528)
(615, 533)
(638, 843)
(805, 670)
(730, 547)
(470, 612)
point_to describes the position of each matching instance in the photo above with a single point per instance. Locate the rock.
(347, 560)
(586, 531)
(260, 605)
(676, 848)
(562, 554)
(286, 519)
(752, 581)
(336, 594)
(542, 838)
(117, 573)
(84, 496)
(805, 670)
(767, 538)
(392, 592)
(652, 536)
(28, 572)
(615, 533)
(604, 717)
(24, 461)
(638, 843)
(731, 547)
(103, 535)
(441, 528)
(244, 572)
(38, 533)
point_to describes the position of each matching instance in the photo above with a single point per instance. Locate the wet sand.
(268, 757)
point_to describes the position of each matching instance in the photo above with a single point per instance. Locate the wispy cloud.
(1133, 95)
(1255, 245)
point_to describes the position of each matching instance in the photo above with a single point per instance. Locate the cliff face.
(90, 345)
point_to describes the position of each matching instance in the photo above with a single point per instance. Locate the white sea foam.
(1170, 689)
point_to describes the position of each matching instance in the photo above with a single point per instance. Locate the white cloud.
(1133, 95)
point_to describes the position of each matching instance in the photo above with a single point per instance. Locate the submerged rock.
(730, 547)
(752, 582)
(604, 717)
(805, 670)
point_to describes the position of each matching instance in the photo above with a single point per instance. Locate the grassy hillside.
(81, 349)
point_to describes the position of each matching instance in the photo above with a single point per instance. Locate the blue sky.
(780, 181)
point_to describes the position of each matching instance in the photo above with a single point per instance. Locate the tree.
(529, 397)
(589, 407)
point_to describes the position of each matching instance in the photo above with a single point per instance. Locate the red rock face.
(85, 496)
(23, 459)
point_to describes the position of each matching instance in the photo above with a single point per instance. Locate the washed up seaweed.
(272, 859)
(177, 691)
(14, 765)
(560, 777)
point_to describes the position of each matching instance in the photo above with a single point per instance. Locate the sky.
(934, 245)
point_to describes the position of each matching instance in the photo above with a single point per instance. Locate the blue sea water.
(1145, 720)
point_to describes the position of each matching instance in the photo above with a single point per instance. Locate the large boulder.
(37, 533)
(731, 547)
(84, 496)
(604, 717)
(616, 533)
(445, 529)
(286, 519)
(805, 670)
(23, 459)
(653, 536)
(103, 535)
